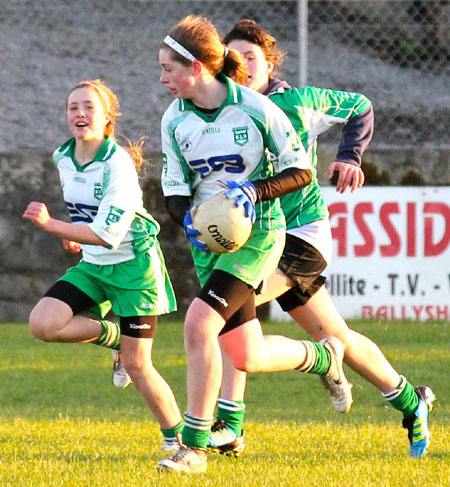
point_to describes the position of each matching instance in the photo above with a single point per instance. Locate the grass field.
(63, 423)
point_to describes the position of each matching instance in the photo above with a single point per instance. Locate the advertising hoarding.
(391, 253)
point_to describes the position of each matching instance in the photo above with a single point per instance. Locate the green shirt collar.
(234, 96)
(105, 152)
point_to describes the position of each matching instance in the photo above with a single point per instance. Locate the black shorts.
(304, 264)
(74, 297)
(232, 298)
(80, 302)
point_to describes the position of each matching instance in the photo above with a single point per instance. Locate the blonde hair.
(110, 104)
(200, 38)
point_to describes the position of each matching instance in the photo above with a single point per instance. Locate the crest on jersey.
(186, 145)
(114, 215)
(240, 135)
(98, 191)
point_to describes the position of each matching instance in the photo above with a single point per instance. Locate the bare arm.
(38, 213)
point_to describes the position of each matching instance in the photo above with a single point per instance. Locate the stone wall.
(31, 260)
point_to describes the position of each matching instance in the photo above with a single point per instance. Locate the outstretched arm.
(356, 135)
(38, 213)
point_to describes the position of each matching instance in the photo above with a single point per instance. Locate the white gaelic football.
(224, 227)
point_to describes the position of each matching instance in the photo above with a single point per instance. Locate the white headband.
(101, 91)
(177, 47)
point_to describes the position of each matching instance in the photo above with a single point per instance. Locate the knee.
(38, 328)
(41, 328)
(245, 362)
(197, 337)
(201, 327)
(136, 364)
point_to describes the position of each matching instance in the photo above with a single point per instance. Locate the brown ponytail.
(199, 36)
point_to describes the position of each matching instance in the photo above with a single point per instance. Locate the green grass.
(62, 423)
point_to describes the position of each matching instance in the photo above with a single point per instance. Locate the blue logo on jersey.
(81, 213)
(233, 163)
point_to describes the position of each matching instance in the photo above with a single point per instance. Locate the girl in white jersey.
(298, 283)
(217, 133)
(122, 266)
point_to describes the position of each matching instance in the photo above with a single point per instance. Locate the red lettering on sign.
(394, 247)
(403, 312)
(417, 311)
(432, 249)
(411, 229)
(442, 313)
(367, 312)
(339, 232)
(403, 236)
(368, 246)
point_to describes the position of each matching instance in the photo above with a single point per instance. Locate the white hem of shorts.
(317, 234)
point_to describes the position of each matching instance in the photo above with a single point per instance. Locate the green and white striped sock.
(403, 398)
(196, 431)
(110, 336)
(232, 412)
(170, 434)
(317, 359)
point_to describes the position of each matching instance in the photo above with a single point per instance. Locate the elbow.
(104, 243)
(307, 178)
(302, 177)
(99, 241)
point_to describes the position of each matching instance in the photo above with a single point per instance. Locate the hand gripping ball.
(224, 227)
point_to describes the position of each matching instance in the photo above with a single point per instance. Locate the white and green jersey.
(105, 194)
(247, 138)
(312, 111)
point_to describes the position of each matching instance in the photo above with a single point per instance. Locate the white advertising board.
(391, 253)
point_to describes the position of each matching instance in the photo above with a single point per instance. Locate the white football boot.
(185, 460)
(120, 376)
(334, 381)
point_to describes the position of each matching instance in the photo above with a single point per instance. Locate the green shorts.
(252, 263)
(139, 287)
